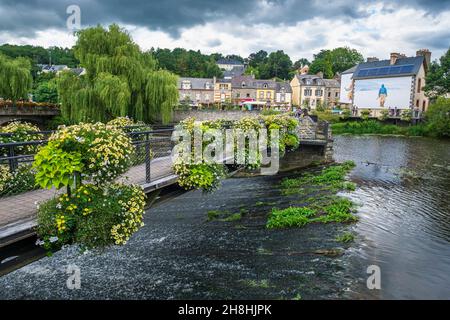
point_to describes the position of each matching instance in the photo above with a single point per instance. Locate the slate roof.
(310, 80)
(236, 71)
(285, 85)
(249, 81)
(197, 83)
(229, 61)
(414, 62)
(332, 83)
(351, 70)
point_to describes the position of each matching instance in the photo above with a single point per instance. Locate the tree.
(335, 61)
(252, 71)
(300, 63)
(437, 81)
(120, 80)
(278, 65)
(438, 117)
(258, 58)
(46, 92)
(15, 78)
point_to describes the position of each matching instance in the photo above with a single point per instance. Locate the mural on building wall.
(346, 94)
(383, 93)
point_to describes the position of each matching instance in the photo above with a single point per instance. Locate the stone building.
(196, 91)
(394, 84)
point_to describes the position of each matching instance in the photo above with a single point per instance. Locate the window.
(207, 96)
(265, 85)
(424, 105)
(261, 95)
(336, 94)
(329, 94)
(308, 92)
(238, 95)
(243, 85)
(319, 92)
(248, 95)
(282, 97)
(197, 96)
(207, 86)
(268, 95)
(419, 85)
(186, 85)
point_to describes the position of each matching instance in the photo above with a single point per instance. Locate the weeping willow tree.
(120, 80)
(15, 78)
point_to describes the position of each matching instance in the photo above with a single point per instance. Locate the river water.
(404, 227)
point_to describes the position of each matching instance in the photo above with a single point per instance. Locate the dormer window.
(265, 85)
(243, 85)
(207, 85)
(186, 85)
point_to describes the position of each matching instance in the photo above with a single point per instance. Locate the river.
(404, 227)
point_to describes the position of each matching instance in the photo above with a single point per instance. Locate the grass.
(346, 237)
(226, 216)
(377, 127)
(324, 206)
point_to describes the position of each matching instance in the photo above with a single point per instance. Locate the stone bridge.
(38, 115)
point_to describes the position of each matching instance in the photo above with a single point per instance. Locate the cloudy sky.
(300, 28)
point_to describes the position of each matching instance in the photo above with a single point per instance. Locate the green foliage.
(20, 132)
(376, 127)
(290, 217)
(406, 115)
(365, 114)
(95, 152)
(187, 63)
(327, 115)
(438, 118)
(384, 115)
(19, 181)
(40, 55)
(346, 237)
(91, 216)
(346, 113)
(15, 78)
(339, 211)
(46, 92)
(333, 61)
(120, 81)
(437, 81)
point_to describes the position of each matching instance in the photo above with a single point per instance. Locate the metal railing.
(149, 147)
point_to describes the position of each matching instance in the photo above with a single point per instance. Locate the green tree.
(46, 92)
(120, 80)
(258, 58)
(437, 81)
(438, 117)
(335, 61)
(300, 63)
(278, 65)
(15, 78)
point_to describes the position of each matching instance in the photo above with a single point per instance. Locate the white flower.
(53, 239)
(40, 242)
(58, 206)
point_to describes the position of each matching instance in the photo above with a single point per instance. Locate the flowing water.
(404, 227)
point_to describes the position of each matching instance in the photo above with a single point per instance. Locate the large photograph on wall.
(346, 88)
(383, 93)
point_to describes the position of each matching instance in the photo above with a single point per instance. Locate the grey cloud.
(26, 16)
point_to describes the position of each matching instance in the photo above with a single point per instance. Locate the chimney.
(425, 53)
(394, 57)
(214, 80)
(372, 59)
(320, 74)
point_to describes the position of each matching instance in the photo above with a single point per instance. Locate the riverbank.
(377, 127)
(184, 251)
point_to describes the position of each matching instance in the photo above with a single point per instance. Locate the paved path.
(23, 206)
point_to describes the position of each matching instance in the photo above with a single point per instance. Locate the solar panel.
(384, 71)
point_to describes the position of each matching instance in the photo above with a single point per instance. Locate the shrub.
(93, 152)
(365, 113)
(406, 115)
(91, 216)
(19, 181)
(20, 132)
(384, 115)
(199, 176)
(346, 113)
(438, 118)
